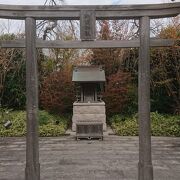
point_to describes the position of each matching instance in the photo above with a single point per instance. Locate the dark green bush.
(14, 95)
(12, 84)
(162, 125)
(131, 106)
(49, 125)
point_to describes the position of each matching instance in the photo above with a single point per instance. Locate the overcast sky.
(86, 2)
(13, 26)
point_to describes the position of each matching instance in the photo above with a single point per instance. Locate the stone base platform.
(88, 113)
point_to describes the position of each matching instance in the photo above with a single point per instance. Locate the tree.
(165, 73)
(12, 75)
(117, 85)
(116, 92)
(109, 58)
(57, 91)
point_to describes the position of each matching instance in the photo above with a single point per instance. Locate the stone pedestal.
(89, 113)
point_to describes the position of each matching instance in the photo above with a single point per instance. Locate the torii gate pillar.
(145, 160)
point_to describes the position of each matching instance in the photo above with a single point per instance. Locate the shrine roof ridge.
(88, 74)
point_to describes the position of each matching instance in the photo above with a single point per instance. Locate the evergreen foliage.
(49, 124)
(162, 125)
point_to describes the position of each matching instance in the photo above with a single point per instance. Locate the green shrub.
(162, 125)
(165, 125)
(52, 130)
(124, 126)
(18, 124)
(49, 125)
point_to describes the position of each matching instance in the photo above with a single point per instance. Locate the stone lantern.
(89, 107)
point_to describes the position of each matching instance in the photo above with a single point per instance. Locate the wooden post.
(145, 159)
(32, 171)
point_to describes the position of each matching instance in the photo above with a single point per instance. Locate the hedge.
(161, 125)
(54, 125)
(49, 124)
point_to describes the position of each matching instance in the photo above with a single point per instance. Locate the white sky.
(87, 2)
(14, 26)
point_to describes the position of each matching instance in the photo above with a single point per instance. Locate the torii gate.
(88, 16)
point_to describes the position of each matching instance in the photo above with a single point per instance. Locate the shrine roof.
(88, 74)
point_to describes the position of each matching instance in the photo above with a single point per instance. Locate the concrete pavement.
(115, 158)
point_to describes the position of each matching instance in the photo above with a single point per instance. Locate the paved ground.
(115, 158)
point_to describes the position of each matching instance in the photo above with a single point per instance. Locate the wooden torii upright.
(87, 16)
